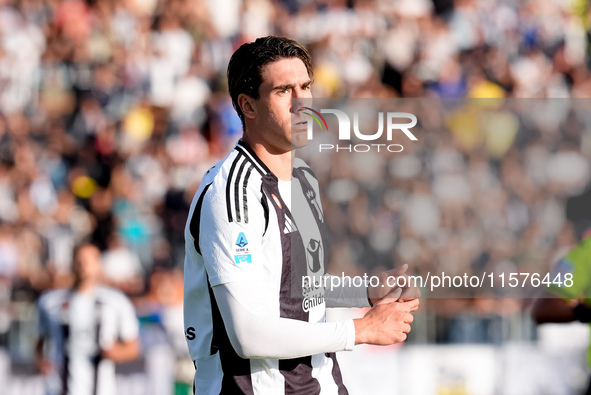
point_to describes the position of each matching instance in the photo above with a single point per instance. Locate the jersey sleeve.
(571, 276)
(254, 333)
(231, 247)
(128, 322)
(345, 295)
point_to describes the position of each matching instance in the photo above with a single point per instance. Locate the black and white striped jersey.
(77, 326)
(247, 329)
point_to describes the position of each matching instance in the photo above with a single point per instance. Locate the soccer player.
(572, 302)
(569, 303)
(248, 332)
(83, 330)
(569, 298)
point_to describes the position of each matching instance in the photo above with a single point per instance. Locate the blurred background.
(111, 111)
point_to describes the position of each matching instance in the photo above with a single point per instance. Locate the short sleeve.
(232, 248)
(571, 276)
(128, 322)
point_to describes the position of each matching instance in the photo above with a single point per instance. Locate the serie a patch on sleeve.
(242, 252)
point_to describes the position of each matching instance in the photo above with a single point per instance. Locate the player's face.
(283, 81)
(87, 263)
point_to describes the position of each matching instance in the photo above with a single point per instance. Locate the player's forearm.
(123, 351)
(344, 294)
(43, 364)
(254, 333)
(39, 348)
(552, 309)
(544, 317)
(284, 338)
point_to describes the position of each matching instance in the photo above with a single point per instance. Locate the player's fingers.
(412, 304)
(402, 269)
(391, 297)
(408, 318)
(396, 272)
(399, 271)
(405, 328)
(402, 337)
(412, 292)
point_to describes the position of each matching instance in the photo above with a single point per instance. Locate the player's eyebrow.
(283, 87)
(291, 86)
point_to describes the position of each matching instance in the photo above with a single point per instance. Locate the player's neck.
(85, 286)
(280, 163)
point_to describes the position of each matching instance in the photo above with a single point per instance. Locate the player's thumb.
(391, 297)
(401, 270)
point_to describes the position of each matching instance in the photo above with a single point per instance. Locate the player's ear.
(246, 105)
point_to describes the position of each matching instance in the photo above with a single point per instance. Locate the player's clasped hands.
(389, 281)
(388, 321)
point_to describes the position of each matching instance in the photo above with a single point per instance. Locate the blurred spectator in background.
(85, 329)
(167, 359)
(122, 267)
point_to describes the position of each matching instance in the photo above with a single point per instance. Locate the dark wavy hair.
(246, 64)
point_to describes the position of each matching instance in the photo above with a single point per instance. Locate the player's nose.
(300, 98)
(297, 105)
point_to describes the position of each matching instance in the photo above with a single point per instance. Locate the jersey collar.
(242, 146)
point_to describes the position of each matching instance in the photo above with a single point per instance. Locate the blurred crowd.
(111, 111)
(488, 181)
(491, 187)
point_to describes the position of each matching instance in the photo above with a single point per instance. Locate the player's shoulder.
(580, 255)
(53, 297)
(576, 263)
(111, 296)
(233, 184)
(240, 164)
(583, 245)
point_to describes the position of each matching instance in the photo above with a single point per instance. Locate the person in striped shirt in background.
(84, 330)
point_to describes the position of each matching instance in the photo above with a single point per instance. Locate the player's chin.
(299, 138)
